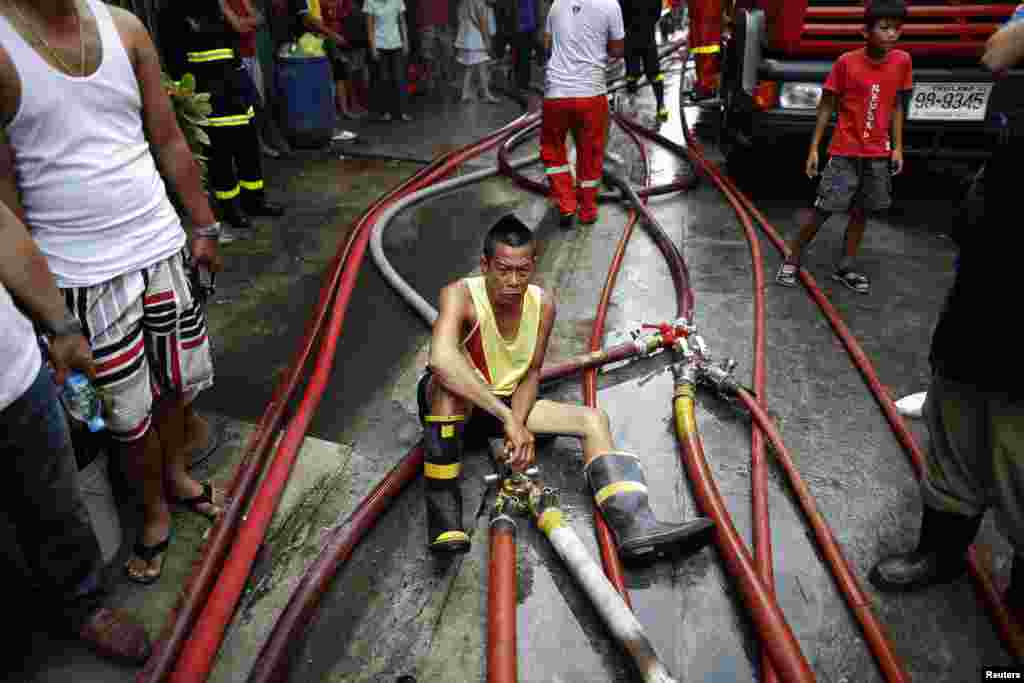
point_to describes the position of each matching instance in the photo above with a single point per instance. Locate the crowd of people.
(102, 274)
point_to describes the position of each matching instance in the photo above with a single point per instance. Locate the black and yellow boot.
(632, 87)
(443, 437)
(940, 556)
(620, 489)
(658, 86)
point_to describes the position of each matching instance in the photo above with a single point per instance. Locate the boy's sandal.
(204, 498)
(855, 281)
(148, 553)
(787, 275)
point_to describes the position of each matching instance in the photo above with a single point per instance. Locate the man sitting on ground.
(488, 347)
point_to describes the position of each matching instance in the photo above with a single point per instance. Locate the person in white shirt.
(389, 48)
(76, 165)
(580, 37)
(54, 535)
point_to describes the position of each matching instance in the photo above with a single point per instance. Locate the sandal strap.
(147, 553)
(205, 497)
(853, 276)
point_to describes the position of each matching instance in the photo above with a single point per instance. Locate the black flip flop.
(148, 553)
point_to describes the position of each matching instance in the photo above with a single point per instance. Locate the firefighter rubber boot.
(443, 439)
(658, 85)
(940, 556)
(620, 490)
(631, 85)
(232, 214)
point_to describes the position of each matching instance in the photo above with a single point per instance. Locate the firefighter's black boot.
(443, 437)
(940, 556)
(232, 214)
(620, 489)
(658, 86)
(632, 87)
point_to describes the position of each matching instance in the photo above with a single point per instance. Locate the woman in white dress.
(476, 28)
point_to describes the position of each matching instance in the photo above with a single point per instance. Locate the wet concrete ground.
(397, 610)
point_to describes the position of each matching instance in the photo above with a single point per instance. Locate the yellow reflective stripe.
(705, 49)
(452, 536)
(229, 194)
(550, 520)
(251, 184)
(589, 183)
(659, 77)
(618, 487)
(224, 121)
(444, 418)
(211, 55)
(432, 471)
(553, 170)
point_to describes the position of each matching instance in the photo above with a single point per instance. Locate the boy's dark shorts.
(481, 425)
(855, 181)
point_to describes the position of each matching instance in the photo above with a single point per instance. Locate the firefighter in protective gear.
(705, 44)
(486, 353)
(642, 49)
(580, 36)
(235, 166)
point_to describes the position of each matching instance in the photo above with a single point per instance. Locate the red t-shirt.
(867, 92)
(246, 41)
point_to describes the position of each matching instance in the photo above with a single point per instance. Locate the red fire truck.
(776, 55)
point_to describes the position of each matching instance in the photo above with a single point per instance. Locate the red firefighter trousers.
(587, 119)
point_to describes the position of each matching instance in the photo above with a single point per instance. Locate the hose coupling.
(507, 473)
(685, 372)
(718, 376)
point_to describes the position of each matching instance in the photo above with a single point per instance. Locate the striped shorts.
(148, 337)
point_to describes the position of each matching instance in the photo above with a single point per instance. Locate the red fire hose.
(256, 450)
(200, 587)
(1009, 631)
(501, 603)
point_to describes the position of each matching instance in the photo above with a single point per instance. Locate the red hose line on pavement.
(1009, 631)
(878, 641)
(859, 603)
(246, 475)
(613, 568)
(221, 611)
(502, 663)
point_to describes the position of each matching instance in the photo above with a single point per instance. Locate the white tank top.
(20, 360)
(93, 198)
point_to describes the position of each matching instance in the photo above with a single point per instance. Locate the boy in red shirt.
(866, 86)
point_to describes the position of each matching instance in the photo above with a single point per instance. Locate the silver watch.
(211, 231)
(68, 326)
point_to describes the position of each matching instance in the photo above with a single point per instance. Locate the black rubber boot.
(443, 437)
(940, 556)
(620, 489)
(658, 85)
(232, 214)
(632, 87)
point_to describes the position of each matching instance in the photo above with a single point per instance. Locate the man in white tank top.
(55, 535)
(478, 338)
(81, 107)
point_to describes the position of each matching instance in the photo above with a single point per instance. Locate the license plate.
(949, 102)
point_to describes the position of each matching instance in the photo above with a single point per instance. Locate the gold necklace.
(53, 53)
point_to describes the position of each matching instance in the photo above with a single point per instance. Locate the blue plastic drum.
(305, 87)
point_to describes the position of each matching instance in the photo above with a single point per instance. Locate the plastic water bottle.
(83, 402)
